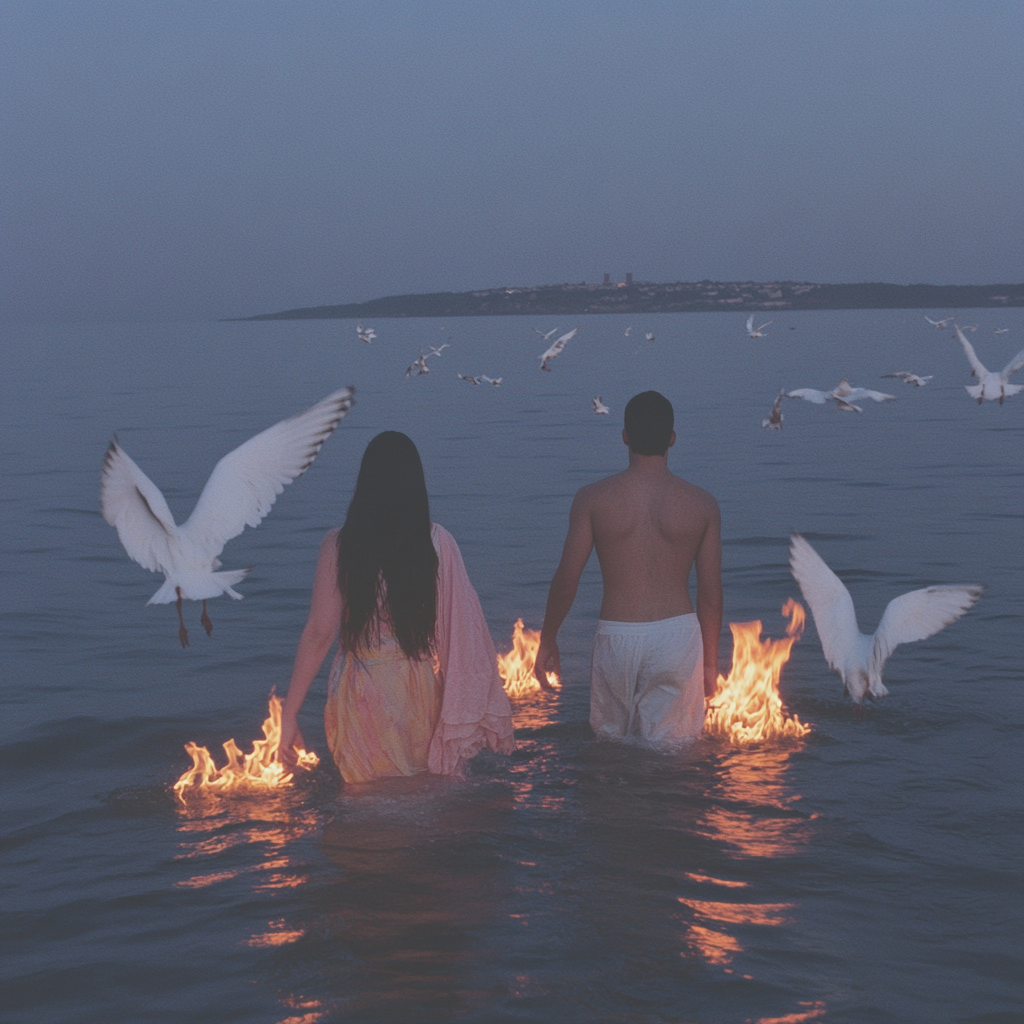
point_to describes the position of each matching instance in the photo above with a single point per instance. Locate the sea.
(868, 872)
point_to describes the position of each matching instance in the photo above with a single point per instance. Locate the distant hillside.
(682, 297)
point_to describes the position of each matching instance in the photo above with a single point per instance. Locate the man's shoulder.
(594, 491)
(695, 494)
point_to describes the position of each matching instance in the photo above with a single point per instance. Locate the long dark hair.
(387, 565)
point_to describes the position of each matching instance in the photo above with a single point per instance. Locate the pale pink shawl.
(475, 711)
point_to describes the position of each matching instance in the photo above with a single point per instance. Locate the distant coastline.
(681, 297)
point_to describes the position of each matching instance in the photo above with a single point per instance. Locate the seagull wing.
(918, 615)
(1012, 366)
(750, 323)
(903, 375)
(245, 483)
(810, 395)
(979, 371)
(830, 601)
(860, 393)
(132, 503)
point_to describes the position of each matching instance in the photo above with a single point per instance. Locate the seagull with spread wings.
(994, 387)
(599, 407)
(844, 395)
(419, 366)
(910, 378)
(774, 419)
(366, 334)
(857, 658)
(556, 347)
(756, 332)
(940, 324)
(550, 334)
(240, 491)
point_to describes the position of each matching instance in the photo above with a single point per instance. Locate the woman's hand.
(291, 740)
(548, 660)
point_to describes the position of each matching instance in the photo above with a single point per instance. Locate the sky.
(209, 158)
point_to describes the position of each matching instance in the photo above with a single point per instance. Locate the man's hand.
(710, 681)
(548, 660)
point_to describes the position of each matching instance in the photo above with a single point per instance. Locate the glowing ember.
(516, 667)
(746, 707)
(262, 769)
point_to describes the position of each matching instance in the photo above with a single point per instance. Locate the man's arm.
(579, 542)
(709, 596)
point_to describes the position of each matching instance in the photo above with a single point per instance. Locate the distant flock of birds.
(992, 386)
(245, 483)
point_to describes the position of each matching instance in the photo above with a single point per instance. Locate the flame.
(746, 707)
(516, 667)
(262, 769)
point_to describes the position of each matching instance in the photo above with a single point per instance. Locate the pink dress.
(388, 715)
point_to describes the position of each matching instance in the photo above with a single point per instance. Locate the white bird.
(438, 351)
(240, 491)
(993, 386)
(910, 378)
(472, 380)
(419, 365)
(366, 334)
(547, 336)
(858, 658)
(556, 347)
(649, 336)
(969, 327)
(1001, 330)
(774, 419)
(843, 394)
(756, 332)
(628, 329)
(599, 407)
(939, 323)
(495, 381)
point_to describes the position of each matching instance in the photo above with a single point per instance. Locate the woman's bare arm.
(318, 636)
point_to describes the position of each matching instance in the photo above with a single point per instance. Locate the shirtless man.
(654, 660)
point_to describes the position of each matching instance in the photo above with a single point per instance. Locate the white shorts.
(647, 681)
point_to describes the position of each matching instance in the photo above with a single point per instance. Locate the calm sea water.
(868, 873)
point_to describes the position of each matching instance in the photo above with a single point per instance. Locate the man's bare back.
(650, 528)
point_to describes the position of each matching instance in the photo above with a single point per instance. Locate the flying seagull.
(240, 491)
(419, 365)
(1001, 330)
(550, 334)
(495, 381)
(649, 336)
(910, 378)
(993, 386)
(756, 332)
(366, 334)
(774, 420)
(628, 329)
(599, 407)
(940, 324)
(438, 351)
(843, 394)
(858, 658)
(472, 380)
(556, 347)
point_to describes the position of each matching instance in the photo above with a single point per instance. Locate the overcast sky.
(206, 159)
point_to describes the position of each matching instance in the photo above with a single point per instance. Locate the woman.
(415, 685)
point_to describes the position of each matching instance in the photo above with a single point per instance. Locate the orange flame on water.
(746, 707)
(262, 769)
(516, 667)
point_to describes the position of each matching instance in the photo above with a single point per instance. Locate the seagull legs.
(182, 631)
(206, 621)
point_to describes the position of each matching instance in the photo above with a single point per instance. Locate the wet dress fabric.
(389, 715)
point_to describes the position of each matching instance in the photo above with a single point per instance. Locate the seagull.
(649, 336)
(858, 658)
(557, 346)
(843, 394)
(969, 327)
(628, 329)
(419, 365)
(1001, 330)
(472, 380)
(910, 378)
(774, 419)
(438, 351)
(239, 493)
(550, 333)
(599, 407)
(756, 332)
(366, 334)
(940, 324)
(496, 381)
(993, 386)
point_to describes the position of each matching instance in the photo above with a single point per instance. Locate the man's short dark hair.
(649, 421)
